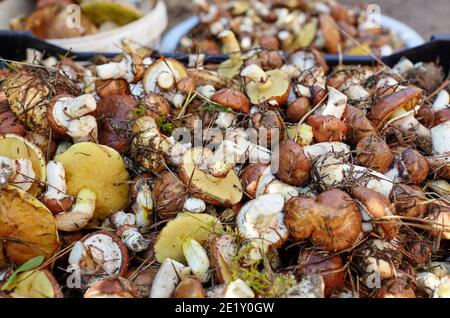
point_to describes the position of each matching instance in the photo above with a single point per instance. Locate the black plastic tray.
(13, 46)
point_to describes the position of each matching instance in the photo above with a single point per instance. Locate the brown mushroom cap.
(395, 288)
(250, 177)
(382, 111)
(110, 87)
(169, 194)
(112, 288)
(314, 262)
(232, 98)
(298, 109)
(155, 105)
(358, 125)
(186, 85)
(374, 153)
(332, 220)
(189, 287)
(270, 59)
(327, 128)
(378, 206)
(409, 200)
(416, 165)
(294, 166)
(115, 114)
(143, 279)
(268, 123)
(222, 249)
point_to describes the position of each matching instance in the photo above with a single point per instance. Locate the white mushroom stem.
(121, 218)
(76, 107)
(133, 239)
(257, 75)
(403, 66)
(231, 46)
(56, 182)
(117, 70)
(408, 124)
(143, 208)
(286, 190)
(18, 172)
(225, 120)
(442, 101)
(80, 214)
(357, 93)
(197, 259)
(227, 155)
(336, 103)
(239, 289)
(167, 278)
(83, 129)
(304, 60)
(441, 138)
(338, 149)
(333, 173)
(206, 91)
(194, 205)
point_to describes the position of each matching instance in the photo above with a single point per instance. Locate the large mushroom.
(100, 169)
(28, 228)
(332, 220)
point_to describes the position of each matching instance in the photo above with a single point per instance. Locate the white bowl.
(172, 38)
(145, 31)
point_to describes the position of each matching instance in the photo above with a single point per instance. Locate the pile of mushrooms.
(327, 25)
(143, 177)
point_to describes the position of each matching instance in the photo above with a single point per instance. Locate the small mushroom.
(271, 88)
(111, 87)
(327, 128)
(189, 287)
(112, 288)
(298, 109)
(374, 153)
(374, 206)
(270, 126)
(169, 194)
(410, 168)
(232, 98)
(69, 116)
(263, 218)
(316, 262)
(294, 166)
(409, 200)
(358, 125)
(130, 68)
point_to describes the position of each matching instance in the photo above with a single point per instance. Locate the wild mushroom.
(35, 284)
(56, 198)
(114, 114)
(111, 87)
(9, 123)
(128, 231)
(26, 163)
(410, 168)
(298, 109)
(28, 228)
(197, 259)
(194, 172)
(69, 116)
(440, 161)
(222, 250)
(99, 255)
(107, 180)
(271, 87)
(269, 125)
(387, 108)
(332, 220)
(167, 278)
(189, 287)
(263, 218)
(169, 194)
(232, 98)
(327, 128)
(165, 73)
(294, 166)
(409, 200)
(374, 153)
(374, 206)
(131, 68)
(231, 67)
(316, 262)
(112, 288)
(197, 226)
(358, 125)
